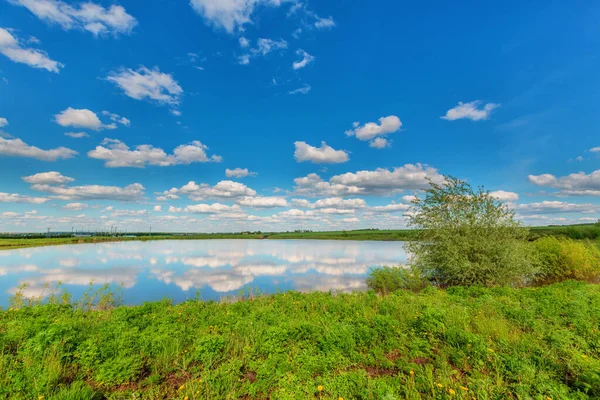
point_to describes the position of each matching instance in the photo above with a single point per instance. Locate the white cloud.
(77, 135)
(17, 198)
(324, 23)
(306, 59)
(339, 203)
(546, 207)
(504, 196)
(117, 154)
(379, 143)
(18, 148)
(390, 208)
(371, 130)
(244, 59)
(595, 150)
(470, 111)
(49, 178)
(148, 84)
(81, 118)
(263, 202)
(230, 15)
(157, 209)
(3, 122)
(578, 184)
(12, 48)
(239, 173)
(379, 182)
(319, 155)
(211, 208)
(244, 42)
(85, 16)
(264, 47)
(75, 206)
(117, 118)
(303, 90)
(131, 192)
(223, 189)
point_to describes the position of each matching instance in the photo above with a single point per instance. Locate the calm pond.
(179, 270)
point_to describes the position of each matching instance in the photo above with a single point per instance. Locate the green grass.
(461, 343)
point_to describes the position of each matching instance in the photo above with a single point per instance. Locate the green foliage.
(563, 258)
(497, 343)
(466, 237)
(384, 280)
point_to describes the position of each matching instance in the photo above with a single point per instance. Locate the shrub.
(467, 237)
(385, 280)
(562, 258)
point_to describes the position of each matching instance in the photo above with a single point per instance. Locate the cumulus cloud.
(239, 173)
(77, 135)
(504, 196)
(3, 122)
(18, 148)
(306, 59)
(148, 84)
(81, 118)
(340, 203)
(49, 178)
(470, 111)
(303, 90)
(12, 48)
(371, 130)
(75, 206)
(578, 184)
(223, 189)
(86, 16)
(17, 198)
(546, 207)
(379, 143)
(157, 209)
(595, 150)
(117, 154)
(131, 192)
(244, 42)
(378, 182)
(319, 155)
(230, 15)
(211, 208)
(263, 202)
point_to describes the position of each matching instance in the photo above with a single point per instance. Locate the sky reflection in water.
(178, 269)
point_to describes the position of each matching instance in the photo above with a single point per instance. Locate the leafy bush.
(562, 258)
(385, 280)
(467, 237)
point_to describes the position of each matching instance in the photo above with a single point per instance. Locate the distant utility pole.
(48, 233)
(150, 231)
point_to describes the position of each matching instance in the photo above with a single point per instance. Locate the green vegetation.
(463, 343)
(467, 237)
(563, 258)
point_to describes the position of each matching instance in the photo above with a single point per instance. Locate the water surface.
(179, 270)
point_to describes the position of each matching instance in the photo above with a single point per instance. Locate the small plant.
(384, 280)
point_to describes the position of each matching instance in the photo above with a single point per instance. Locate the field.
(462, 343)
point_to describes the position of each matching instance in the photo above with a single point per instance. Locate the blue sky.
(327, 116)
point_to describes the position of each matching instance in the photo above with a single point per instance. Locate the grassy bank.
(464, 343)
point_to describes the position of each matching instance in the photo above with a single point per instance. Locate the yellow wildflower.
(181, 387)
(451, 391)
(440, 385)
(40, 397)
(186, 398)
(320, 388)
(464, 388)
(412, 373)
(491, 350)
(341, 398)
